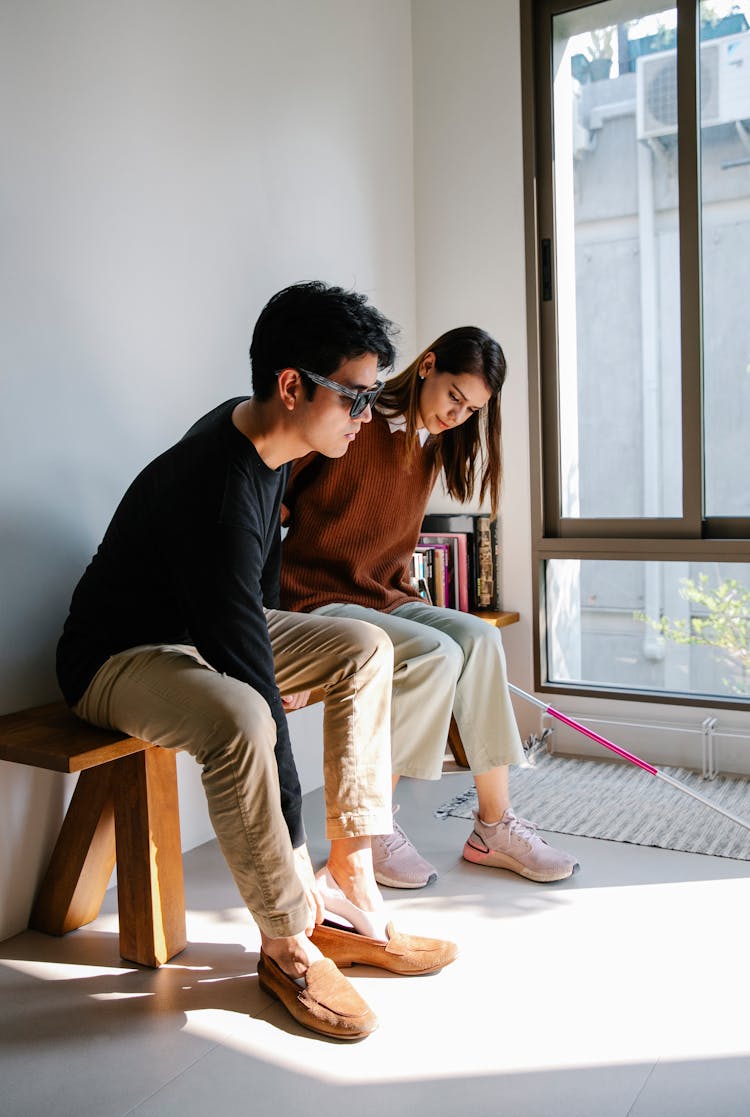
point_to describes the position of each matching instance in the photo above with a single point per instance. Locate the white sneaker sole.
(493, 859)
(393, 882)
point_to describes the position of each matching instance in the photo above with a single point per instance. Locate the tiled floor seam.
(267, 1010)
(155, 1093)
(643, 1087)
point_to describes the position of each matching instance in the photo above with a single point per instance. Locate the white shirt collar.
(398, 423)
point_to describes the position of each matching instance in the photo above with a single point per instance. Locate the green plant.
(601, 43)
(722, 622)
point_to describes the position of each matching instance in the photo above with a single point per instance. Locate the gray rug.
(597, 799)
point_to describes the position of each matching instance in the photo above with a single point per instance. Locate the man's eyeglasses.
(361, 399)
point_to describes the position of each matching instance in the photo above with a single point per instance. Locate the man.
(174, 636)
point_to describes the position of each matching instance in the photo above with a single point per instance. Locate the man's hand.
(295, 701)
(306, 875)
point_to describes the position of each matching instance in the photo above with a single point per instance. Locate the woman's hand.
(295, 701)
(316, 911)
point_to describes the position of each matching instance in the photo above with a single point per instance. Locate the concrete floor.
(622, 991)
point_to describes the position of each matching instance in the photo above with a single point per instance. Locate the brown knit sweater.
(354, 522)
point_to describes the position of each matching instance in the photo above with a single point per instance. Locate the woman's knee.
(487, 641)
(453, 657)
(474, 635)
(431, 646)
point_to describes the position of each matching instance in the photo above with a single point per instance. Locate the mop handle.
(627, 755)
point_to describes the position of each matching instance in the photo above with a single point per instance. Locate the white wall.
(470, 241)
(167, 166)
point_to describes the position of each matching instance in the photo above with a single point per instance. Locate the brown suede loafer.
(327, 1003)
(401, 954)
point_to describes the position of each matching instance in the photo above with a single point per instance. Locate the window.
(639, 114)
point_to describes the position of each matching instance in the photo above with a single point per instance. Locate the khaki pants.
(446, 662)
(169, 696)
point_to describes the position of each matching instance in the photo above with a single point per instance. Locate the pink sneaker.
(513, 843)
(397, 863)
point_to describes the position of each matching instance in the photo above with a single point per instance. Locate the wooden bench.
(124, 810)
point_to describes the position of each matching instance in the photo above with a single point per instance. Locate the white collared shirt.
(398, 423)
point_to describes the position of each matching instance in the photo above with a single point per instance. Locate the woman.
(353, 526)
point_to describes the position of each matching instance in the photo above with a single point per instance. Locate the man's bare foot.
(321, 998)
(293, 954)
(350, 865)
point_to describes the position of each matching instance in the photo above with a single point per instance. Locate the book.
(485, 563)
(441, 560)
(448, 521)
(427, 568)
(421, 573)
(458, 586)
(496, 565)
(497, 601)
(424, 591)
(476, 557)
(416, 567)
(459, 523)
(439, 569)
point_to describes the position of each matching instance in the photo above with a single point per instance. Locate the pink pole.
(625, 755)
(602, 741)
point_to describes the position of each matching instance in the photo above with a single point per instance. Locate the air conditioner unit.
(724, 86)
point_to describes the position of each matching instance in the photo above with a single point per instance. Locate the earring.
(421, 376)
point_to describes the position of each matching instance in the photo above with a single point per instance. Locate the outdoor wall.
(167, 166)
(616, 647)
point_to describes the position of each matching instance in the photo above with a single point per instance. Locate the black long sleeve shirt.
(191, 557)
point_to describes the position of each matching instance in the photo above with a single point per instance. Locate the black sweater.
(191, 557)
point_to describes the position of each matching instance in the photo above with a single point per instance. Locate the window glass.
(616, 252)
(725, 215)
(651, 626)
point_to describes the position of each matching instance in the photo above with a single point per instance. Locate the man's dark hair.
(316, 327)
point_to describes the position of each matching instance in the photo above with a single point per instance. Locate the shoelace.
(522, 828)
(512, 824)
(397, 840)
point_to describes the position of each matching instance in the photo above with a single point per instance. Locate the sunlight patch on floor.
(60, 971)
(599, 977)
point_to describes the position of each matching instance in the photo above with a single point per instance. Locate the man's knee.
(242, 722)
(370, 645)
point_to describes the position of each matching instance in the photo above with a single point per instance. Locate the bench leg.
(80, 868)
(150, 886)
(456, 745)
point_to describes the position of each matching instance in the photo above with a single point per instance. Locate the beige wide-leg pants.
(445, 662)
(170, 696)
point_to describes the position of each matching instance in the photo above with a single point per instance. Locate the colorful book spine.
(497, 599)
(473, 561)
(458, 597)
(485, 563)
(442, 584)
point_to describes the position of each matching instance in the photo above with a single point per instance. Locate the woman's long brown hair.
(471, 450)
